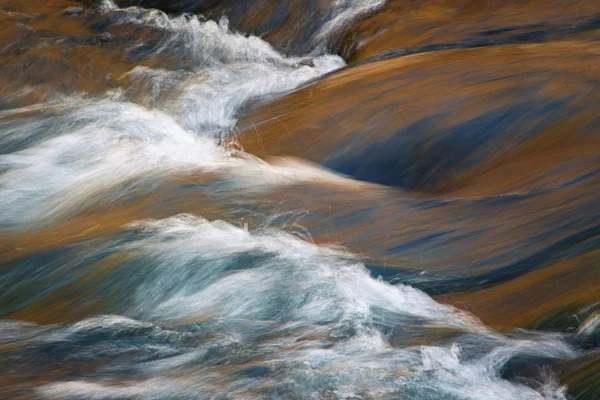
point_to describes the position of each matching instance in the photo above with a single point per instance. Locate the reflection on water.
(145, 254)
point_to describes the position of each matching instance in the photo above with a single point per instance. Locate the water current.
(177, 301)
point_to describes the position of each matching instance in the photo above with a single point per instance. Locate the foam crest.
(229, 272)
(92, 151)
(152, 389)
(345, 12)
(97, 153)
(213, 103)
(285, 318)
(225, 71)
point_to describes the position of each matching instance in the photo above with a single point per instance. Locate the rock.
(554, 295)
(461, 121)
(423, 25)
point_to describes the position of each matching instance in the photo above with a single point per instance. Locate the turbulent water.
(171, 301)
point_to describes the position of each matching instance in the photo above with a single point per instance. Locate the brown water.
(426, 224)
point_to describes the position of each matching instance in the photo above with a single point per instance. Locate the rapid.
(136, 264)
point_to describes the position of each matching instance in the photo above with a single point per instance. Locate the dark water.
(145, 255)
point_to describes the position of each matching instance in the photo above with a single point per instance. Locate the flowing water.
(134, 265)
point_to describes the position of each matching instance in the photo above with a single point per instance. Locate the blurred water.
(191, 308)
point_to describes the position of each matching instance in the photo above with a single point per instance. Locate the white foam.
(291, 280)
(98, 152)
(345, 12)
(95, 148)
(150, 389)
(225, 70)
(309, 314)
(316, 290)
(474, 380)
(89, 152)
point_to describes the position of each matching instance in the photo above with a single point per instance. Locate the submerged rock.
(425, 25)
(444, 121)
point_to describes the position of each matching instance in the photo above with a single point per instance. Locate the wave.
(185, 307)
(290, 317)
